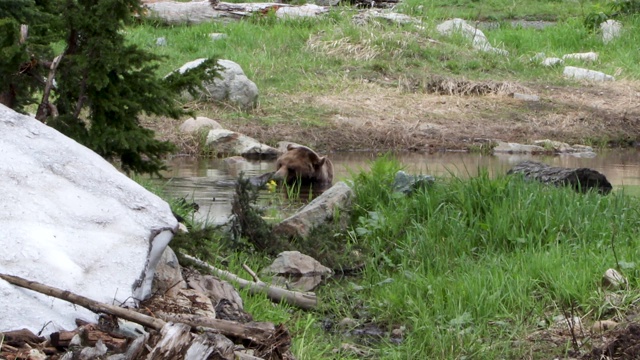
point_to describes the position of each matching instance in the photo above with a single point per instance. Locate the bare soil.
(373, 116)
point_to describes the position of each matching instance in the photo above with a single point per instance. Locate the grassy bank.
(377, 78)
(466, 268)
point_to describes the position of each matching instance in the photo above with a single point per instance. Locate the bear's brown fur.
(303, 164)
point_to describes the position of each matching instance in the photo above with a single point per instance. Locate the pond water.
(208, 182)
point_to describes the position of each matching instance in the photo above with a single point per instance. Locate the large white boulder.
(232, 87)
(69, 219)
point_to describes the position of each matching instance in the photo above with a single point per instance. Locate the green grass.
(467, 267)
(330, 53)
(479, 263)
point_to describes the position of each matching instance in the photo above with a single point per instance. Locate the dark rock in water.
(580, 179)
(260, 181)
(407, 184)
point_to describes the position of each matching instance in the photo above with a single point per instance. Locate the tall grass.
(478, 263)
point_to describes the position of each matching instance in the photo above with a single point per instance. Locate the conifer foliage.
(102, 83)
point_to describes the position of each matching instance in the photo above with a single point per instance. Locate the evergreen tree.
(103, 83)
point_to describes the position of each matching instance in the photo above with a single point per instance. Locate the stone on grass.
(232, 87)
(526, 97)
(218, 36)
(71, 220)
(613, 280)
(319, 211)
(610, 30)
(552, 61)
(585, 74)
(161, 41)
(199, 124)
(588, 56)
(602, 326)
(477, 37)
(298, 270)
(231, 143)
(306, 10)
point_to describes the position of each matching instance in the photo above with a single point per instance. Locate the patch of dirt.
(370, 116)
(625, 345)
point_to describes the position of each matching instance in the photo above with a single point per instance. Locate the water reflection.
(207, 181)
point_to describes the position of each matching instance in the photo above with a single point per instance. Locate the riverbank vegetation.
(481, 268)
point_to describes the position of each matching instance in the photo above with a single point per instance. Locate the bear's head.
(302, 164)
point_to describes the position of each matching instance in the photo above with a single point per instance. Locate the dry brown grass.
(363, 115)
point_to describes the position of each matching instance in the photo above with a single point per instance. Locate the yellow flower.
(271, 186)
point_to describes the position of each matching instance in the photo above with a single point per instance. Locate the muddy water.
(208, 181)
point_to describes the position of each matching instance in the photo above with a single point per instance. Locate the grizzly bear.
(302, 164)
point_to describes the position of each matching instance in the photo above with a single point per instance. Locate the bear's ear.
(291, 147)
(320, 161)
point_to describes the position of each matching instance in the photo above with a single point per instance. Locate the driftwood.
(307, 300)
(580, 179)
(225, 327)
(177, 342)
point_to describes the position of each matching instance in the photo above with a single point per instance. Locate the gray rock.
(585, 74)
(218, 36)
(319, 211)
(588, 56)
(613, 280)
(552, 61)
(161, 41)
(477, 37)
(298, 270)
(232, 143)
(526, 97)
(199, 124)
(306, 10)
(215, 289)
(515, 148)
(232, 87)
(71, 220)
(168, 275)
(556, 146)
(407, 184)
(611, 29)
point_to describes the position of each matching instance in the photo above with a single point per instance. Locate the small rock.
(580, 73)
(407, 184)
(610, 30)
(199, 124)
(613, 280)
(557, 146)
(538, 57)
(347, 323)
(232, 143)
(322, 209)
(526, 97)
(589, 56)
(603, 325)
(515, 148)
(218, 36)
(298, 270)
(307, 10)
(552, 61)
(161, 41)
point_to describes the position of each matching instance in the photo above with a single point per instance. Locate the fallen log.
(580, 179)
(224, 327)
(307, 300)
